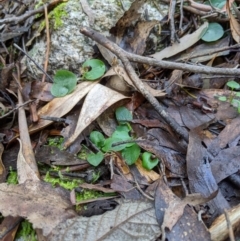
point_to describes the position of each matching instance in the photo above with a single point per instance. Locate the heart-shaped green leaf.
(93, 69)
(95, 159)
(97, 138)
(64, 83)
(233, 84)
(59, 90)
(123, 114)
(147, 161)
(131, 154)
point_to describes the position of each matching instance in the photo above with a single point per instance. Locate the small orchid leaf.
(233, 84)
(147, 161)
(64, 83)
(97, 138)
(58, 90)
(222, 98)
(131, 154)
(214, 32)
(123, 114)
(95, 159)
(93, 69)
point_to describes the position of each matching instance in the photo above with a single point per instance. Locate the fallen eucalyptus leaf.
(185, 42)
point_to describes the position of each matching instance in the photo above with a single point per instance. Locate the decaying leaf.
(128, 18)
(176, 207)
(119, 70)
(132, 220)
(137, 41)
(25, 171)
(44, 206)
(201, 179)
(3, 173)
(169, 209)
(185, 42)
(235, 26)
(98, 100)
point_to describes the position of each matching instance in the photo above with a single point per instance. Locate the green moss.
(12, 177)
(26, 232)
(57, 14)
(89, 194)
(55, 17)
(55, 141)
(65, 183)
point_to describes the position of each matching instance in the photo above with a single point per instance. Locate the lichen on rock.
(69, 48)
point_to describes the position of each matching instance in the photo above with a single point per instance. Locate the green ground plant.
(234, 97)
(120, 141)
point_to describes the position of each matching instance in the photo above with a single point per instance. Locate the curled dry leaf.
(25, 171)
(97, 101)
(3, 173)
(119, 70)
(44, 206)
(235, 27)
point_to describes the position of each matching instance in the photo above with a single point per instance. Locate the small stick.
(18, 19)
(171, 17)
(229, 225)
(16, 108)
(38, 66)
(48, 43)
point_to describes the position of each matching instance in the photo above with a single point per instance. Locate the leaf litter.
(184, 197)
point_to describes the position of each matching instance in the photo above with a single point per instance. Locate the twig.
(136, 81)
(38, 66)
(141, 191)
(185, 67)
(18, 19)
(212, 51)
(181, 16)
(16, 108)
(171, 17)
(229, 225)
(48, 43)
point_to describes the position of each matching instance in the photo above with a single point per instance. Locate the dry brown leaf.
(185, 42)
(141, 31)
(97, 101)
(9, 227)
(119, 70)
(61, 106)
(235, 27)
(25, 171)
(44, 206)
(129, 17)
(176, 207)
(3, 173)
